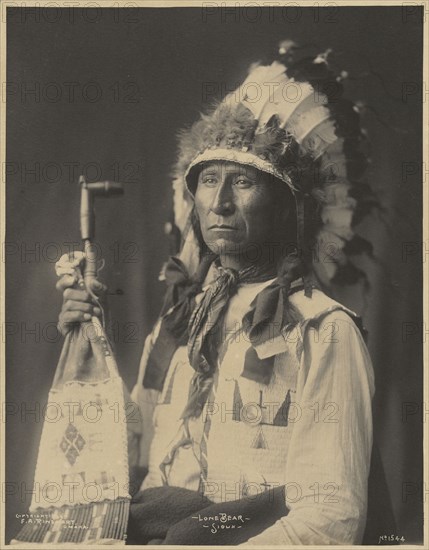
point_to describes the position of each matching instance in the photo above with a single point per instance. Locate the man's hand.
(78, 305)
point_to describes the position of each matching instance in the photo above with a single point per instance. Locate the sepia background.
(104, 92)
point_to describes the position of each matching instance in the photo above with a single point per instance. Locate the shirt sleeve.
(327, 464)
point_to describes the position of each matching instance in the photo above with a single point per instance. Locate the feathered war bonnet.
(287, 119)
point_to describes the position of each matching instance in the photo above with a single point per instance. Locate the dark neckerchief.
(179, 303)
(184, 322)
(209, 313)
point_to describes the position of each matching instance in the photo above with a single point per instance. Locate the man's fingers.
(75, 305)
(66, 281)
(76, 295)
(84, 307)
(70, 317)
(78, 304)
(97, 287)
(67, 285)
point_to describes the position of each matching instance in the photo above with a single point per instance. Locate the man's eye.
(243, 182)
(209, 180)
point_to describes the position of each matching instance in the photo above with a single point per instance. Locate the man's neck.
(240, 262)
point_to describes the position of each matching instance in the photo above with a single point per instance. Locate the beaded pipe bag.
(81, 484)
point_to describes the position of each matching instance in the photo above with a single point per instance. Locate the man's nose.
(223, 200)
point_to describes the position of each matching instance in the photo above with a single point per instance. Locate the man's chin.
(225, 246)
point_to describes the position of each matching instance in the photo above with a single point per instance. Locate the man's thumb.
(98, 287)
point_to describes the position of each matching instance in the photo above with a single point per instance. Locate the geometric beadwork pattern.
(105, 480)
(259, 442)
(72, 443)
(281, 418)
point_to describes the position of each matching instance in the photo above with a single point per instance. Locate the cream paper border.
(196, 3)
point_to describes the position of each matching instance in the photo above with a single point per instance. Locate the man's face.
(238, 206)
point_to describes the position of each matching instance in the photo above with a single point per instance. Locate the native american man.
(255, 387)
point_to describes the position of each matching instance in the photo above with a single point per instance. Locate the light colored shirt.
(321, 453)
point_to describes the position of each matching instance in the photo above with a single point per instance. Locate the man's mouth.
(223, 227)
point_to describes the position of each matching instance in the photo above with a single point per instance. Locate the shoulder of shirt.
(317, 306)
(308, 311)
